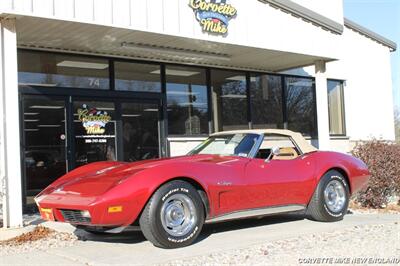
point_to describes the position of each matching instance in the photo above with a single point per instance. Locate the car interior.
(287, 150)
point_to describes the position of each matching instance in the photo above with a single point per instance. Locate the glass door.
(140, 131)
(44, 142)
(59, 135)
(94, 129)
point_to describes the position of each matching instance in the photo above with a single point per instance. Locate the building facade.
(91, 80)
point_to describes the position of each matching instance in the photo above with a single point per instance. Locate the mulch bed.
(38, 233)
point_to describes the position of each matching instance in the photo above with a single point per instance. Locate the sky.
(382, 17)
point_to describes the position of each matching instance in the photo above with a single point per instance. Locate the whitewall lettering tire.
(174, 215)
(330, 200)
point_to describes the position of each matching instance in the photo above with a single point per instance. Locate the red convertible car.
(230, 175)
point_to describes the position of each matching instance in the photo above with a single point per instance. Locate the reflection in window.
(336, 108)
(187, 100)
(60, 70)
(301, 108)
(266, 101)
(139, 131)
(137, 77)
(229, 100)
(44, 152)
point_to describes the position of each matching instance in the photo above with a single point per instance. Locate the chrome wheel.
(178, 215)
(335, 196)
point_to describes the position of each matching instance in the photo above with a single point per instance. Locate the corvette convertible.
(231, 175)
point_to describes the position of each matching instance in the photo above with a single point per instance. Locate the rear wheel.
(331, 198)
(174, 215)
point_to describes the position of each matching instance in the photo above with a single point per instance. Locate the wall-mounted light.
(176, 52)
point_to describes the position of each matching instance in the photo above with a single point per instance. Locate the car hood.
(96, 182)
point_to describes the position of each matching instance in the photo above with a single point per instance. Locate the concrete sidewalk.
(131, 247)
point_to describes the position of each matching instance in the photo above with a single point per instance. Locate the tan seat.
(286, 153)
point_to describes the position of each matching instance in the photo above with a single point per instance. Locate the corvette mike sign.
(93, 120)
(213, 15)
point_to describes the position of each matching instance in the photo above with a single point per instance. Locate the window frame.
(164, 82)
(262, 139)
(343, 109)
(113, 74)
(313, 135)
(112, 92)
(250, 99)
(248, 95)
(110, 72)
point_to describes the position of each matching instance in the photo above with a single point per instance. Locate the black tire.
(318, 208)
(151, 222)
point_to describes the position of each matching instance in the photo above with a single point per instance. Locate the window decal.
(93, 120)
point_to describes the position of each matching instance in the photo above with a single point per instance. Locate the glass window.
(187, 100)
(95, 129)
(287, 150)
(137, 77)
(140, 131)
(232, 144)
(266, 101)
(229, 100)
(300, 104)
(61, 70)
(44, 151)
(336, 108)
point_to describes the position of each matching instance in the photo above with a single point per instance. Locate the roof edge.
(307, 14)
(370, 34)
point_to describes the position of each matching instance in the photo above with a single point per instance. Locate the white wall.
(365, 66)
(257, 24)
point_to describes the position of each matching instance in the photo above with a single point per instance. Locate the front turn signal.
(112, 209)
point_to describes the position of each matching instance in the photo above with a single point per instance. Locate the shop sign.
(213, 15)
(93, 120)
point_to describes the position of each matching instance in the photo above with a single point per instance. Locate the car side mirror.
(274, 152)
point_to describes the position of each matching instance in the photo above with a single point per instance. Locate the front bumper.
(70, 208)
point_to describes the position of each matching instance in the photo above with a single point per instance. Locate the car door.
(281, 180)
(227, 183)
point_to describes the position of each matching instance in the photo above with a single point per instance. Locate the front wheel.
(331, 198)
(174, 215)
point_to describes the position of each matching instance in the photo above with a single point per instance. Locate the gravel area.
(376, 242)
(40, 239)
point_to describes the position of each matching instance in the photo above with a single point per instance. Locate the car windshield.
(230, 144)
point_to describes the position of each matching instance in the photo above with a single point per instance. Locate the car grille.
(74, 216)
